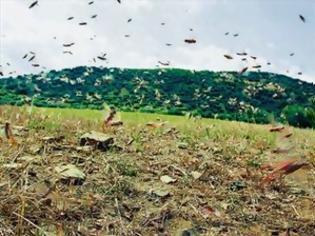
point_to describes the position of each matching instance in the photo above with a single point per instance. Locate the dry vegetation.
(180, 177)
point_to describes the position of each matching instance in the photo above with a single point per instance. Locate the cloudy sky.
(268, 29)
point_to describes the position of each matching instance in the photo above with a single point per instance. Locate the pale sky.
(268, 29)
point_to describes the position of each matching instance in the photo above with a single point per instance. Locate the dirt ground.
(148, 181)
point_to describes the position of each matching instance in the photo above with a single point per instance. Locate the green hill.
(251, 97)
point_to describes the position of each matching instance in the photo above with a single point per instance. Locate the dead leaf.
(97, 139)
(167, 179)
(70, 171)
(196, 174)
(161, 192)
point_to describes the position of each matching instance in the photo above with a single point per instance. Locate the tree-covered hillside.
(251, 97)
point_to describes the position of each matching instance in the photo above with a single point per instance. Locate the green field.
(199, 128)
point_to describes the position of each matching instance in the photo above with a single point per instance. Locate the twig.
(296, 212)
(30, 222)
(119, 214)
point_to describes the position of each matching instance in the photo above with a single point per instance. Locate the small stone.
(182, 145)
(189, 232)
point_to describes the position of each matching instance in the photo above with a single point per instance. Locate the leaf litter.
(51, 185)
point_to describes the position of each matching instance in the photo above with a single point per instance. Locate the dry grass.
(123, 194)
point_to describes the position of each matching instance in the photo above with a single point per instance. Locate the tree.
(299, 116)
